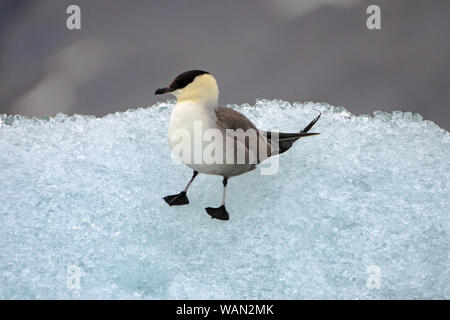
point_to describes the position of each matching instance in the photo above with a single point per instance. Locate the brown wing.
(228, 118)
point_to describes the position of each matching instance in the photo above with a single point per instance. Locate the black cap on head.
(185, 78)
(181, 81)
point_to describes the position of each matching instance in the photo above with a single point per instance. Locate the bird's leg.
(220, 212)
(181, 198)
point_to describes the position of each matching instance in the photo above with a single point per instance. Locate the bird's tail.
(286, 140)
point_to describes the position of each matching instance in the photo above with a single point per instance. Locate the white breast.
(188, 122)
(187, 115)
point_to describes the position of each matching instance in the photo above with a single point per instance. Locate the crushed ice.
(84, 193)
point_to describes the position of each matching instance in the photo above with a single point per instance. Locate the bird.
(198, 112)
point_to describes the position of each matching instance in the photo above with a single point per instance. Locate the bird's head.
(194, 85)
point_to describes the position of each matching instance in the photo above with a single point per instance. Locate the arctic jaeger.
(197, 96)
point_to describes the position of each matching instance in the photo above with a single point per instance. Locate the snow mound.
(360, 211)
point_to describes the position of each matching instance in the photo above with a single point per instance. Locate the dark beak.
(162, 91)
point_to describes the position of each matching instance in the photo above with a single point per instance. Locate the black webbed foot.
(218, 213)
(177, 199)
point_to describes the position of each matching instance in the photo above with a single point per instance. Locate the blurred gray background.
(311, 50)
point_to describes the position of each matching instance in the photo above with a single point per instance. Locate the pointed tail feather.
(309, 126)
(282, 136)
(286, 140)
(295, 136)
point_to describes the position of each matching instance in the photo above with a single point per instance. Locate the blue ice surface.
(369, 192)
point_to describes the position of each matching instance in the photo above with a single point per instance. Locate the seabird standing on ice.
(197, 96)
